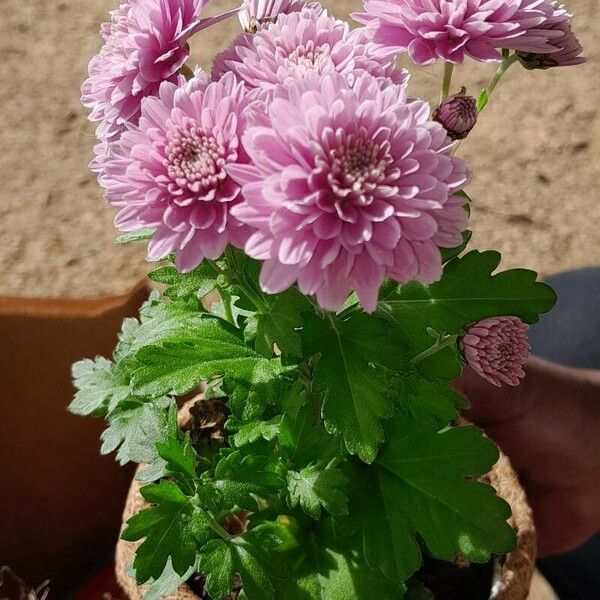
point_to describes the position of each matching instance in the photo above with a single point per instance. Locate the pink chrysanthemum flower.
(567, 49)
(168, 173)
(349, 183)
(144, 45)
(259, 12)
(302, 42)
(497, 349)
(454, 29)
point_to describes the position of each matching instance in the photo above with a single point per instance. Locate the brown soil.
(533, 157)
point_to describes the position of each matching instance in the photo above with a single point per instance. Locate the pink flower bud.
(497, 349)
(458, 114)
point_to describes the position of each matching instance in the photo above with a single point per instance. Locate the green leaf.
(135, 236)
(179, 455)
(195, 284)
(255, 430)
(241, 479)
(328, 568)
(167, 583)
(277, 323)
(467, 292)
(174, 528)
(304, 440)
(100, 386)
(353, 355)
(159, 320)
(177, 365)
(432, 402)
(419, 489)
(482, 100)
(220, 560)
(316, 487)
(135, 428)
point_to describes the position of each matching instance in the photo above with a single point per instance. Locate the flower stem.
(226, 299)
(220, 531)
(241, 282)
(500, 72)
(440, 344)
(448, 70)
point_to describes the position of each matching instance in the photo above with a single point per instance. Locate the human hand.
(550, 428)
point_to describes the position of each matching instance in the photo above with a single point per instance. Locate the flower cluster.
(454, 29)
(302, 147)
(305, 41)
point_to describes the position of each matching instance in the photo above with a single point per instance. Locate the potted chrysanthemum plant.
(318, 299)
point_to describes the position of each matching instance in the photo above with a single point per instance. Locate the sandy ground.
(534, 156)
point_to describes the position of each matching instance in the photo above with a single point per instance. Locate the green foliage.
(135, 428)
(468, 292)
(317, 487)
(419, 489)
(326, 567)
(195, 284)
(338, 466)
(168, 581)
(278, 324)
(178, 364)
(100, 387)
(158, 321)
(174, 528)
(303, 439)
(222, 559)
(243, 478)
(178, 454)
(255, 430)
(350, 373)
(432, 402)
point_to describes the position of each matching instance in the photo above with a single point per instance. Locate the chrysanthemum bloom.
(349, 183)
(568, 50)
(145, 44)
(454, 29)
(168, 173)
(302, 42)
(497, 349)
(458, 114)
(258, 12)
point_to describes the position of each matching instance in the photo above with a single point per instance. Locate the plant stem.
(240, 280)
(443, 342)
(220, 531)
(500, 72)
(448, 70)
(226, 298)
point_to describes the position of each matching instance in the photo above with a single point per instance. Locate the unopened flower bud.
(458, 115)
(497, 349)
